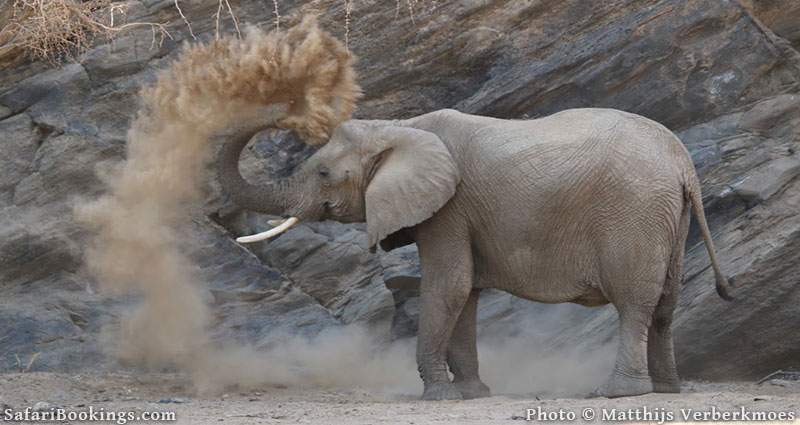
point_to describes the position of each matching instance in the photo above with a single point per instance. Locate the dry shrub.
(52, 30)
(140, 225)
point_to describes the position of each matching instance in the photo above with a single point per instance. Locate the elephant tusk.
(291, 221)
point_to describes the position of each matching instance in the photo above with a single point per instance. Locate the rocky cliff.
(724, 75)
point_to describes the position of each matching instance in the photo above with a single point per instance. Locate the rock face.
(725, 76)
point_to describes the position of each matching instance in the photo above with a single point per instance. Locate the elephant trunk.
(268, 198)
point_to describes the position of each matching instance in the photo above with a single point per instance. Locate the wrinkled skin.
(589, 206)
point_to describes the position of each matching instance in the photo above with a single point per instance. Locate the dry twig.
(277, 15)
(233, 18)
(348, 8)
(217, 16)
(30, 362)
(188, 25)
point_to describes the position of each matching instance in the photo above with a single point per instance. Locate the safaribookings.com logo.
(659, 415)
(92, 414)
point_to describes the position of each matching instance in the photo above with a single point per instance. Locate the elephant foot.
(441, 391)
(473, 388)
(667, 387)
(620, 385)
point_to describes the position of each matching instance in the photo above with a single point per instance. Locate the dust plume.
(347, 357)
(520, 365)
(355, 357)
(300, 79)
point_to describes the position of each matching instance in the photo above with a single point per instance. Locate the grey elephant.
(589, 206)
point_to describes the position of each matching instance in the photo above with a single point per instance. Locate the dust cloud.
(347, 357)
(522, 366)
(140, 225)
(301, 79)
(355, 357)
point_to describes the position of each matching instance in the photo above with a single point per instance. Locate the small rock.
(42, 406)
(176, 400)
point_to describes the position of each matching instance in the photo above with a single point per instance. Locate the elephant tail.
(693, 194)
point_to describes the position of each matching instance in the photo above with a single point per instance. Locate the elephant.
(589, 206)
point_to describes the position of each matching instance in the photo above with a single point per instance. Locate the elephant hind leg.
(633, 280)
(631, 375)
(660, 350)
(635, 291)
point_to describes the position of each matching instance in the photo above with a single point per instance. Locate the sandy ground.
(174, 393)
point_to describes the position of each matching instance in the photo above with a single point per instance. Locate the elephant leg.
(660, 351)
(633, 280)
(462, 355)
(631, 375)
(446, 285)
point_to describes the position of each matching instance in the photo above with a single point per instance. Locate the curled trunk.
(268, 198)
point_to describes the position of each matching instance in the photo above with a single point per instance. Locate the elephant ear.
(412, 176)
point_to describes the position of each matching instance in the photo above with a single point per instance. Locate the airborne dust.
(140, 226)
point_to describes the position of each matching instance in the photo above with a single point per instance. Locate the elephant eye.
(324, 172)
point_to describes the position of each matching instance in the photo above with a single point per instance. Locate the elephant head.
(388, 174)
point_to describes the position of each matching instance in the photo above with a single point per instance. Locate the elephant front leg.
(462, 355)
(445, 288)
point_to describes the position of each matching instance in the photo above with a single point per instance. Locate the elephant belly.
(537, 276)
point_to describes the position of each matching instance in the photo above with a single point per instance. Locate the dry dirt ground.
(169, 392)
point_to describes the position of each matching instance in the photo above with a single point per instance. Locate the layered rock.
(724, 75)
